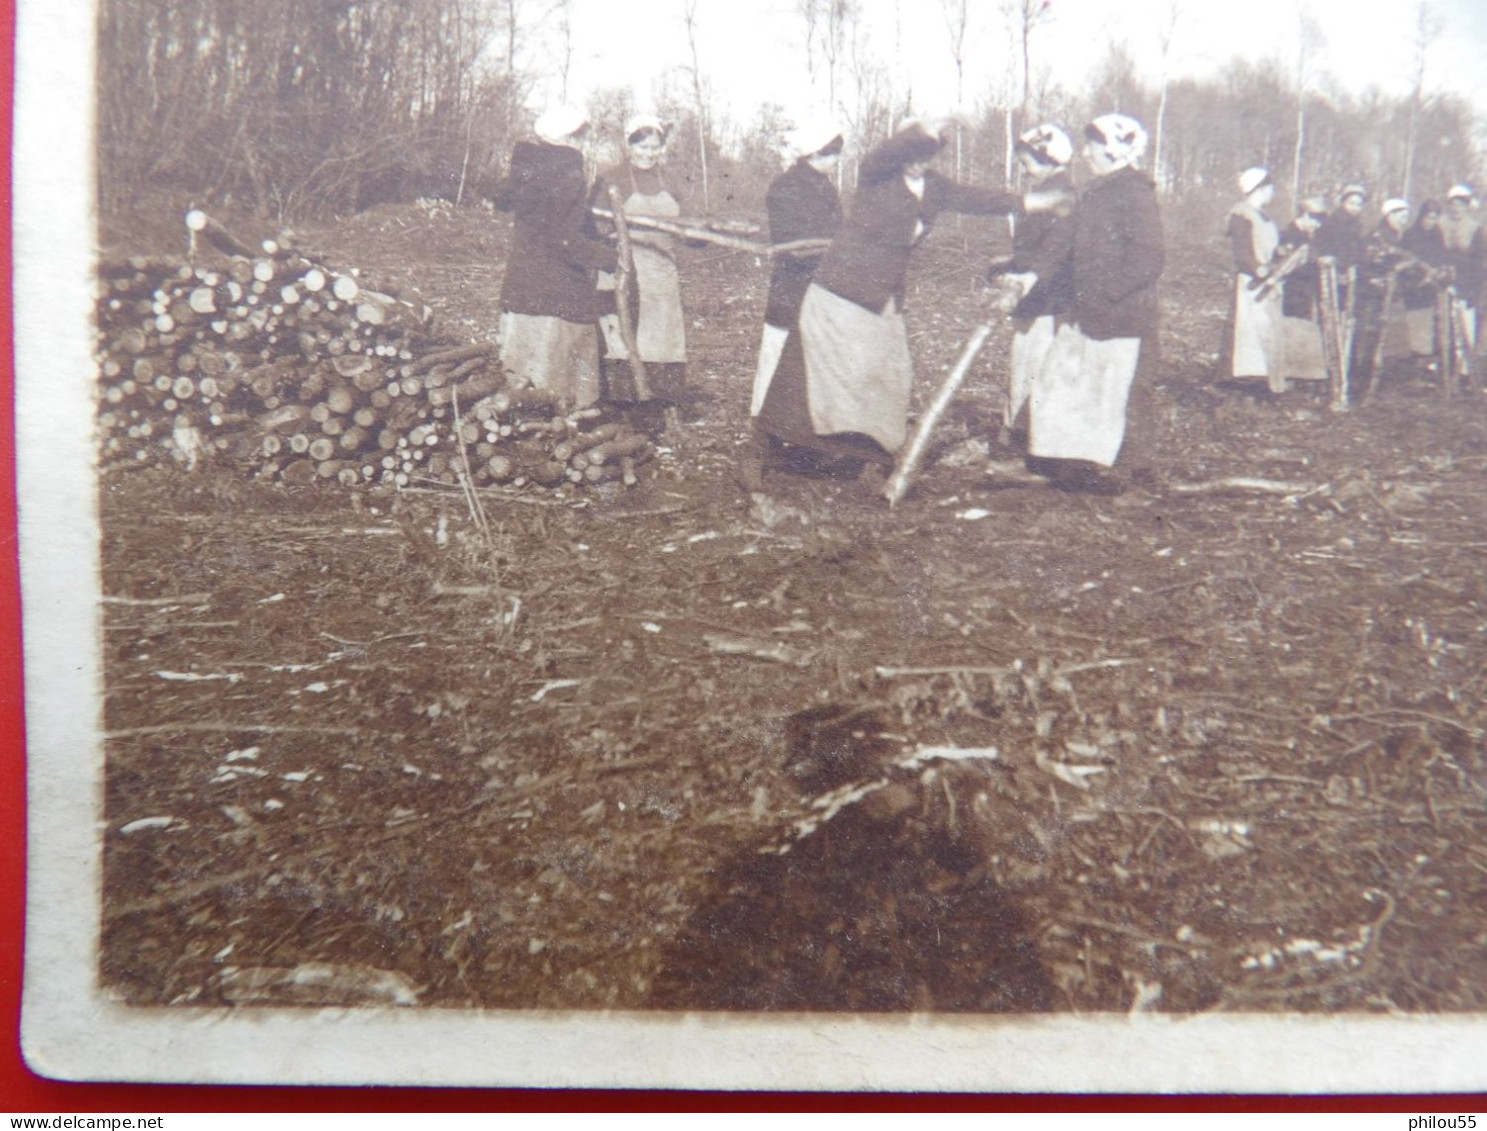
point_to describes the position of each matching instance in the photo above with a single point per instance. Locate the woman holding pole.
(659, 324)
(1044, 153)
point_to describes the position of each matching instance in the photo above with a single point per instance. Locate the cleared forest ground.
(1239, 738)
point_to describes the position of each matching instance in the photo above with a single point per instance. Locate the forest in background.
(292, 111)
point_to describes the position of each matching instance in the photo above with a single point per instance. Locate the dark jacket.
(869, 258)
(1299, 290)
(1053, 294)
(1241, 233)
(553, 249)
(1116, 252)
(1340, 236)
(1428, 246)
(803, 205)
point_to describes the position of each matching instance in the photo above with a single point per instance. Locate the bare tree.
(689, 20)
(1020, 18)
(1023, 17)
(564, 11)
(837, 18)
(1165, 38)
(957, 15)
(870, 116)
(1309, 41)
(810, 12)
(1428, 26)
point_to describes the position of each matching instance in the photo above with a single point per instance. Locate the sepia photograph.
(821, 544)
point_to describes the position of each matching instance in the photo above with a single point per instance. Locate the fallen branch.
(900, 673)
(707, 235)
(1377, 716)
(908, 463)
(183, 599)
(441, 590)
(223, 728)
(730, 645)
(1243, 483)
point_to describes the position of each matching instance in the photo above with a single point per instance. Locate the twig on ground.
(183, 599)
(1377, 716)
(1246, 484)
(224, 728)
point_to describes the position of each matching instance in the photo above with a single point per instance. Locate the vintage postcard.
(786, 546)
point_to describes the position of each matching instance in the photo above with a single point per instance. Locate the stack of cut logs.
(288, 367)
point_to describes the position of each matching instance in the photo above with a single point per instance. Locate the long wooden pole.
(707, 235)
(1349, 329)
(908, 463)
(1376, 362)
(1338, 328)
(622, 295)
(1445, 352)
(1461, 340)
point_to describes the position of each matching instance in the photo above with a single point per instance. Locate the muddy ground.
(1206, 751)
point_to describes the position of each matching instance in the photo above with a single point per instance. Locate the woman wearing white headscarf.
(1115, 253)
(1044, 153)
(548, 300)
(1255, 341)
(660, 324)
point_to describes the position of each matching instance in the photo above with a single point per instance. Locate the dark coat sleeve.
(944, 195)
(1051, 260)
(1241, 233)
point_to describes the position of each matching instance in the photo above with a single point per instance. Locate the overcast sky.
(754, 52)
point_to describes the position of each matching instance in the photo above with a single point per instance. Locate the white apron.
(1030, 346)
(660, 333)
(857, 367)
(1077, 409)
(1258, 338)
(550, 353)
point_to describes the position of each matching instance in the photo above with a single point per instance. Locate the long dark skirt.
(786, 416)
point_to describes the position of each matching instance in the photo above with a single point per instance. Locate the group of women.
(1274, 333)
(834, 372)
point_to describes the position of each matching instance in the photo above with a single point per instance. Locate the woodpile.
(275, 361)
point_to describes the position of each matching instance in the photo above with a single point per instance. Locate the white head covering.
(1395, 204)
(1121, 136)
(640, 122)
(812, 136)
(1252, 179)
(1048, 143)
(557, 124)
(1460, 192)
